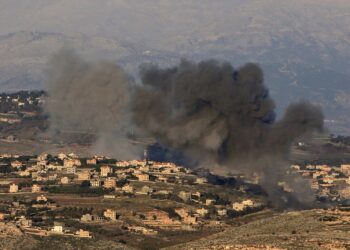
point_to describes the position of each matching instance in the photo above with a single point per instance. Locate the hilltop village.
(88, 197)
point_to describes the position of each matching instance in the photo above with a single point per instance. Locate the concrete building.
(71, 170)
(84, 176)
(95, 183)
(185, 196)
(110, 214)
(36, 188)
(106, 170)
(83, 234)
(13, 188)
(110, 183)
(41, 198)
(65, 180)
(142, 177)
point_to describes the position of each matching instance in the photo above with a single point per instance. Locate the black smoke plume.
(217, 115)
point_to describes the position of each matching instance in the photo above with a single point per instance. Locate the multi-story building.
(106, 170)
(110, 214)
(110, 182)
(95, 183)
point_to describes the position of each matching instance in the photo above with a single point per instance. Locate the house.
(222, 212)
(42, 157)
(92, 161)
(3, 216)
(202, 211)
(201, 180)
(24, 173)
(65, 180)
(186, 216)
(71, 170)
(41, 198)
(57, 228)
(86, 218)
(62, 156)
(71, 162)
(13, 188)
(83, 234)
(345, 169)
(238, 206)
(185, 196)
(142, 177)
(110, 214)
(128, 188)
(16, 164)
(36, 188)
(95, 183)
(209, 202)
(106, 170)
(155, 217)
(146, 190)
(110, 183)
(25, 222)
(84, 176)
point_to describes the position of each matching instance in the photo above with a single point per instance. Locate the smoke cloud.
(221, 116)
(86, 97)
(215, 114)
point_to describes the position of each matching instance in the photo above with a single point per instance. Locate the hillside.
(303, 46)
(314, 229)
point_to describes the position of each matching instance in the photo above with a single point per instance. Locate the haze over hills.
(303, 46)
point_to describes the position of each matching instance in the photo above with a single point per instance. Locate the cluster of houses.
(330, 183)
(36, 175)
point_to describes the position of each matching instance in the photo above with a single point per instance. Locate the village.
(88, 197)
(331, 183)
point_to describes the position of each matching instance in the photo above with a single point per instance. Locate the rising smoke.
(90, 98)
(215, 114)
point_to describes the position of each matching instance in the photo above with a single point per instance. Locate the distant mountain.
(303, 45)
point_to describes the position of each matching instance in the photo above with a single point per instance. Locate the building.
(83, 234)
(86, 218)
(13, 188)
(248, 203)
(92, 161)
(25, 222)
(201, 180)
(128, 188)
(186, 216)
(71, 162)
(36, 188)
(41, 198)
(146, 190)
(71, 170)
(84, 176)
(57, 228)
(209, 202)
(185, 196)
(142, 177)
(110, 183)
(222, 212)
(157, 217)
(202, 211)
(238, 206)
(16, 164)
(65, 180)
(95, 183)
(106, 170)
(345, 169)
(110, 214)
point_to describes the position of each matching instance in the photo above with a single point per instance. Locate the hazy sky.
(158, 21)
